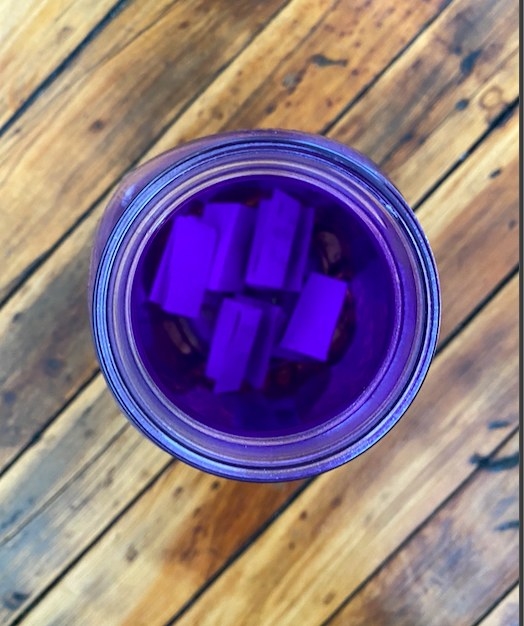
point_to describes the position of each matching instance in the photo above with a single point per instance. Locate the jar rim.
(109, 329)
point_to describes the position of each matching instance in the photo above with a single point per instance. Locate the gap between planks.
(39, 85)
(507, 608)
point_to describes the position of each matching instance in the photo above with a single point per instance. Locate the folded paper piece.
(183, 274)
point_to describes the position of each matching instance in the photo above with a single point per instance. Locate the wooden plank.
(456, 566)
(456, 78)
(73, 442)
(50, 310)
(472, 224)
(333, 535)
(349, 520)
(304, 86)
(444, 227)
(36, 38)
(106, 109)
(506, 613)
(46, 349)
(177, 537)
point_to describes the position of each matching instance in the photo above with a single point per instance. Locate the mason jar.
(351, 332)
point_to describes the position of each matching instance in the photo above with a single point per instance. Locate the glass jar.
(310, 416)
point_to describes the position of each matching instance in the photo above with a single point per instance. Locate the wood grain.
(109, 106)
(97, 525)
(191, 523)
(339, 58)
(214, 111)
(46, 350)
(456, 566)
(506, 613)
(348, 521)
(472, 224)
(464, 208)
(36, 38)
(456, 78)
(335, 533)
(79, 511)
(53, 300)
(86, 428)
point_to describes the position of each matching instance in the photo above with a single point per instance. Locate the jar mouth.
(283, 457)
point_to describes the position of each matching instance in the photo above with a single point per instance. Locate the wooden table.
(97, 525)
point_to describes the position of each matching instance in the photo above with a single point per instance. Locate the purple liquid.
(298, 392)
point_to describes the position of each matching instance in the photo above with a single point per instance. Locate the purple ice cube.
(183, 273)
(300, 250)
(271, 324)
(234, 224)
(232, 344)
(313, 321)
(275, 229)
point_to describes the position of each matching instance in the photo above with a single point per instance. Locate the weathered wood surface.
(348, 521)
(53, 299)
(452, 570)
(97, 526)
(506, 613)
(36, 38)
(332, 536)
(66, 446)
